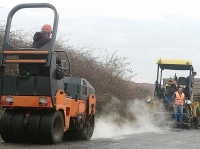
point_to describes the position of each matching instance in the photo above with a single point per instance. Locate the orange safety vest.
(179, 100)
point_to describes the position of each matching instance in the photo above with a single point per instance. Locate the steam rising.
(107, 127)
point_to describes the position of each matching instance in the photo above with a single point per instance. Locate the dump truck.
(161, 107)
(40, 107)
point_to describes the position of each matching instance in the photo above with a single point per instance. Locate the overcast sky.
(142, 30)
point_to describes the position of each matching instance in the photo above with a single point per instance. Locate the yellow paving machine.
(161, 107)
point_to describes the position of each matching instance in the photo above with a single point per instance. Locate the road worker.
(170, 88)
(190, 82)
(43, 37)
(178, 105)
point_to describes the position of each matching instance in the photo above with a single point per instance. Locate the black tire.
(34, 127)
(189, 117)
(190, 123)
(52, 127)
(86, 134)
(17, 127)
(5, 126)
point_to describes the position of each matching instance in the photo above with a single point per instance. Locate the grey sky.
(142, 30)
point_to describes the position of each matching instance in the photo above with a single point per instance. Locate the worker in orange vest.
(178, 105)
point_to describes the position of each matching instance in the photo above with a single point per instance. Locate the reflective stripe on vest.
(179, 100)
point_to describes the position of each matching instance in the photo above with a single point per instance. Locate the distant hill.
(148, 86)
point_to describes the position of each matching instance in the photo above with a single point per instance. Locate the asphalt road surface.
(174, 139)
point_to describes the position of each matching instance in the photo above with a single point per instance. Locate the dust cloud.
(107, 127)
